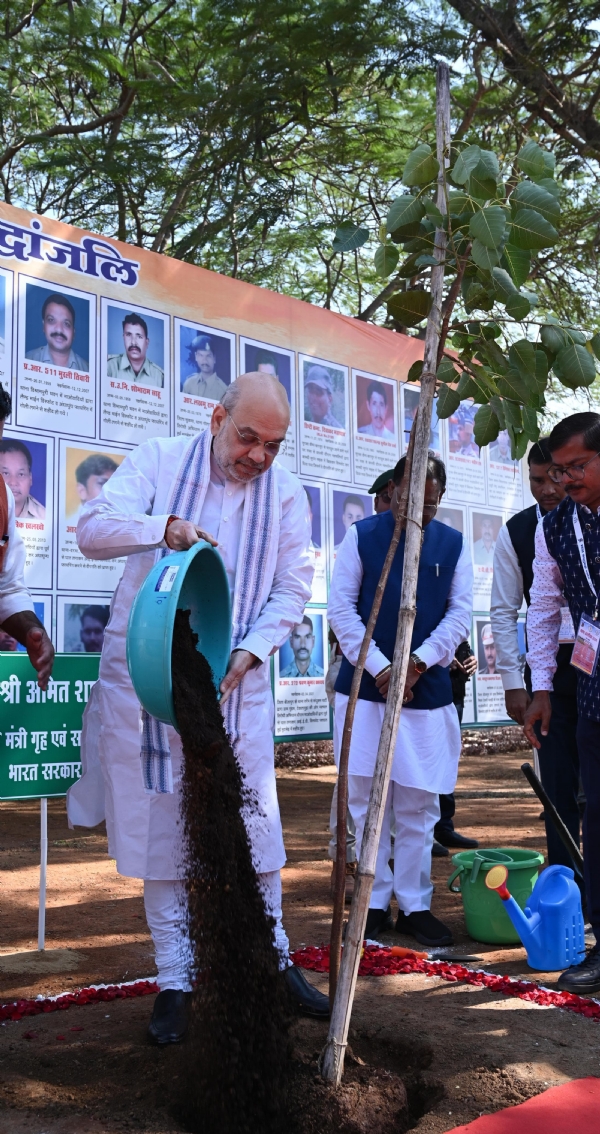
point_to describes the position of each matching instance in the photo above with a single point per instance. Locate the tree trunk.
(333, 1055)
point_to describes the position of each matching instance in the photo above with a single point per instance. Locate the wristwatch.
(419, 664)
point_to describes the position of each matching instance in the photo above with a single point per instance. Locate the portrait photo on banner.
(375, 407)
(86, 473)
(9, 644)
(83, 625)
(24, 466)
(410, 400)
(452, 517)
(204, 360)
(325, 394)
(314, 497)
(485, 647)
(461, 428)
(303, 654)
(348, 507)
(135, 345)
(266, 359)
(57, 324)
(484, 533)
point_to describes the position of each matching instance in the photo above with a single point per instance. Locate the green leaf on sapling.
(513, 414)
(531, 160)
(433, 212)
(486, 426)
(415, 371)
(495, 356)
(517, 262)
(541, 371)
(349, 236)
(552, 337)
(575, 336)
(489, 226)
(464, 165)
(446, 372)
(529, 195)
(503, 285)
(522, 357)
(574, 366)
(497, 405)
(485, 258)
(512, 386)
(460, 204)
(550, 185)
(403, 211)
(518, 307)
(421, 166)
(530, 423)
(530, 230)
(385, 259)
(426, 261)
(410, 307)
(448, 401)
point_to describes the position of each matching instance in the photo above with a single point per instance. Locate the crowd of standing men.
(225, 486)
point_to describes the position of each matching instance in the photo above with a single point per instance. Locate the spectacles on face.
(569, 472)
(250, 439)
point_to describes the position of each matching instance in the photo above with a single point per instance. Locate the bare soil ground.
(461, 1051)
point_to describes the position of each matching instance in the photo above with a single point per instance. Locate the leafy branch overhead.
(501, 355)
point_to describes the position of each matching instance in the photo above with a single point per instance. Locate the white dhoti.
(425, 764)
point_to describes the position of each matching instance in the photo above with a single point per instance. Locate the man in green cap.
(383, 491)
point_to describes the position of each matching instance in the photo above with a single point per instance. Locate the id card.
(567, 629)
(587, 646)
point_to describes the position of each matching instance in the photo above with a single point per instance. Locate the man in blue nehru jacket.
(428, 747)
(567, 568)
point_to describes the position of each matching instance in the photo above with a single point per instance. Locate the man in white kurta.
(131, 517)
(428, 746)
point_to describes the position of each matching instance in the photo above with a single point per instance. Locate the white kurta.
(428, 745)
(129, 518)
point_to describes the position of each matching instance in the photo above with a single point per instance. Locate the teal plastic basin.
(193, 580)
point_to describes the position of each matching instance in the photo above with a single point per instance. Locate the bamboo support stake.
(332, 1064)
(335, 940)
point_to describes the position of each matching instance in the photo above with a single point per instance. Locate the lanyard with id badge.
(587, 642)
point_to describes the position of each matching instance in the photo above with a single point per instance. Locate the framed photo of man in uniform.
(204, 368)
(325, 413)
(376, 441)
(26, 464)
(301, 705)
(466, 481)
(453, 517)
(135, 386)
(56, 353)
(489, 692)
(6, 321)
(281, 364)
(347, 507)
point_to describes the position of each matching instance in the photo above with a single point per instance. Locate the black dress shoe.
(378, 921)
(307, 999)
(425, 927)
(438, 851)
(453, 839)
(169, 1016)
(584, 978)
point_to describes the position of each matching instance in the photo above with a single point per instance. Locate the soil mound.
(237, 1050)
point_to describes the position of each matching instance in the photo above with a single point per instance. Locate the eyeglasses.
(571, 472)
(250, 439)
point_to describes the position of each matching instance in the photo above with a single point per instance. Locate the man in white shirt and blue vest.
(428, 746)
(567, 567)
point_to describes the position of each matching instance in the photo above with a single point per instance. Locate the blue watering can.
(551, 926)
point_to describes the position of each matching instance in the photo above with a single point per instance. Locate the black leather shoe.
(307, 999)
(453, 839)
(378, 921)
(425, 927)
(438, 851)
(584, 978)
(169, 1017)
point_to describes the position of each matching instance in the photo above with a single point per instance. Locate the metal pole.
(43, 865)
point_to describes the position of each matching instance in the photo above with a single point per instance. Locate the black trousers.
(559, 773)
(588, 743)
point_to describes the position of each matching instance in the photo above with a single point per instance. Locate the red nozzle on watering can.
(495, 879)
